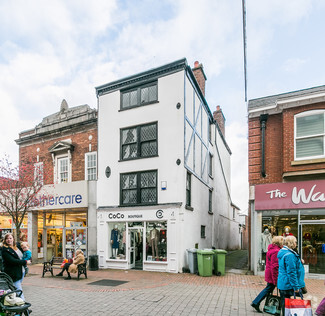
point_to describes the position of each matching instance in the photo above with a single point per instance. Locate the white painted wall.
(174, 135)
(226, 235)
(170, 141)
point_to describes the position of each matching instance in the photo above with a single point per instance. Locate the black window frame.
(139, 188)
(210, 165)
(138, 90)
(139, 142)
(203, 233)
(188, 189)
(210, 202)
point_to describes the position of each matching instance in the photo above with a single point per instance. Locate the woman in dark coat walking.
(271, 271)
(12, 261)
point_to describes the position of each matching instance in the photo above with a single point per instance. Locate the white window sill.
(307, 161)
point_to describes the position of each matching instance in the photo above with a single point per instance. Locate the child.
(27, 255)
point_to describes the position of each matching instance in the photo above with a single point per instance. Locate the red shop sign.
(294, 195)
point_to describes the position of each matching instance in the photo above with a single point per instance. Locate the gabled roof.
(141, 77)
(61, 146)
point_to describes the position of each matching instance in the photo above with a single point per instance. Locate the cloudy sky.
(50, 50)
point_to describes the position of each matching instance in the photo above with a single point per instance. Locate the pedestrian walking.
(13, 261)
(271, 271)
(291, 271)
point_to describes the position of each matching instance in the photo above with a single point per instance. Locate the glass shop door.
(54, 243)
(75, 238)
(135, 248)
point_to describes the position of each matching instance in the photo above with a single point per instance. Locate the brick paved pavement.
(148, 293)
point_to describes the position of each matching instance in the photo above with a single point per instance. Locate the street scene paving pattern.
(148, 293)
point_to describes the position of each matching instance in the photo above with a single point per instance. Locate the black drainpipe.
(263, 119)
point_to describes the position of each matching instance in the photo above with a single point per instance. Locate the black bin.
(93, 262)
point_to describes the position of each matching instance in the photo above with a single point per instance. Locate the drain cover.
(106, 282)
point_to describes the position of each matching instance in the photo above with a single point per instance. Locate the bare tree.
(19, 186)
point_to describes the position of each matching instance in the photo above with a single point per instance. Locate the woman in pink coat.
(271, 271)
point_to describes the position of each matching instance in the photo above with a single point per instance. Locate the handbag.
(298, 307)
(273, 304)
(304, 290)
(321, 308)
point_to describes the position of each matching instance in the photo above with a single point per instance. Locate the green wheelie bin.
(219, 258)
(205, 262)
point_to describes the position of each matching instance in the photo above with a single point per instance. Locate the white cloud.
(64, 49)
(294, 64)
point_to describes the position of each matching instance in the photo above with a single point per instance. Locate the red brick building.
(64, 217)
(287, 174)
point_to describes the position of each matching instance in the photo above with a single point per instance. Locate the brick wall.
(273, 150)
(80, 141)
(279, 146)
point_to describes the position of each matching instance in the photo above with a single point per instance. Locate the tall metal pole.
(244, 43)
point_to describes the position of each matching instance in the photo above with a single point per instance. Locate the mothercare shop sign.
(294, 195)
(58, 196)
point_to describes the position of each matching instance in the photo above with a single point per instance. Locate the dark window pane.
(148, 179)
(129, 136)
(144, 192)
(133, 98)
(148, 196)
(144, 95)
(129, 197)
(148, 132)
(152, 91)
(125, 100)
(149, 149)
(129, 151)
(129, 181)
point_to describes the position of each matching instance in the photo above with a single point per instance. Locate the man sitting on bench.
(73, 267)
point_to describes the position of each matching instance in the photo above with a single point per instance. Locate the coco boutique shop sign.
(294, 195)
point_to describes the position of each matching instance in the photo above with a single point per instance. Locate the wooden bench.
(55, 263)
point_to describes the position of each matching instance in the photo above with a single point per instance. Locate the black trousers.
(66, 268)
(285, 294)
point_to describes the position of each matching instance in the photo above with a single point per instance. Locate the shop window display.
(117, 244)
(276, 225)
(54, 219)
(156, 241)
(313, 247)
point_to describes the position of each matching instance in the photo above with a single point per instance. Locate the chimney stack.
(220, 119)
(200, 76)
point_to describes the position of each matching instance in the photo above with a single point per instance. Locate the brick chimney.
(220, 119)
(199, 76)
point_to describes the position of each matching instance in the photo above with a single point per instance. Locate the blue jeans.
(260, 297)
(17, 285)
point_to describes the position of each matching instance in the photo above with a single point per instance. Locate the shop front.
(295, 208)
(61, 232)
(143, 239)
(7, 226)
(59, 221)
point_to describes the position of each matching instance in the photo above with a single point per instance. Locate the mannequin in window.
(273, 231)
(266, 239)
(287, 232)
(115, 241)
(154, 236)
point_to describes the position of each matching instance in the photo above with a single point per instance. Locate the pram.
(7, 286)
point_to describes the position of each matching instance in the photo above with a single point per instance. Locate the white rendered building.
(163, 171)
